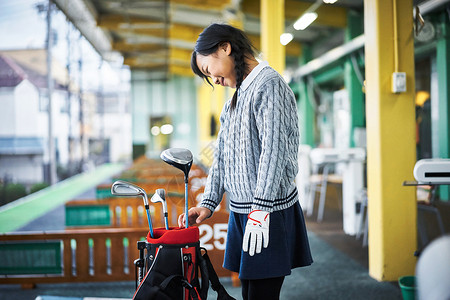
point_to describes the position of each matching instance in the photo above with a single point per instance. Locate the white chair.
(320, 181)
(363, 218)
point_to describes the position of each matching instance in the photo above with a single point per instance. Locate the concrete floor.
(330, 229)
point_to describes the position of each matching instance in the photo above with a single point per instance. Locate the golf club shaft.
(149, 221)
(186, 204)
(166, 220)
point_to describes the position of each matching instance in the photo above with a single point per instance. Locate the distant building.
(24, 121)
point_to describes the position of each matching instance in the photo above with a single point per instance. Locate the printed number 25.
(207, 234)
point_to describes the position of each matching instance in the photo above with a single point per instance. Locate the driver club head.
(179, 158)
(182, 159)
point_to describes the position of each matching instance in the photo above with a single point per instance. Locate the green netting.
(39, 257)
(89, 215)
(102, 193)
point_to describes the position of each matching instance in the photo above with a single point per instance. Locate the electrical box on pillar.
(398, 82)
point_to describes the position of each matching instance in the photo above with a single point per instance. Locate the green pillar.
(352, 83)
(443, 71)
(305, 109)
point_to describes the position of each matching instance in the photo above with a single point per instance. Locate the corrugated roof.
(21, 145)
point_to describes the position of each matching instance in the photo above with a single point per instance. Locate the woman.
(255, 162)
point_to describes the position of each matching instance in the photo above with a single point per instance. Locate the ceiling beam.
(123, 46)
(328, 15)
(116, 21)
(83, 15)
(203, 4)
(123, 26)
(181, 70)
(174, 55)
(292, 49)
(173, 69)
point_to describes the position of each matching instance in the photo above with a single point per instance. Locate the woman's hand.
(196, 215)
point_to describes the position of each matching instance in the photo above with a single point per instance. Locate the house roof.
(36, 60)
(11, 74)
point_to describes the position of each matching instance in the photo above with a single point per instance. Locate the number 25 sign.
(213, 237)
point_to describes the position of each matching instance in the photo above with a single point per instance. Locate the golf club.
(182, 159)
(160, 196)
(122, 188)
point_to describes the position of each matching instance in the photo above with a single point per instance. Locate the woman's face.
(219, 66)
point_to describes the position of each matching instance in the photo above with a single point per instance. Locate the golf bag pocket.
(173, 262)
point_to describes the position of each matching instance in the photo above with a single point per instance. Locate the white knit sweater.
(255, 160)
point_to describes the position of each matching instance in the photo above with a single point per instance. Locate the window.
(43, 101)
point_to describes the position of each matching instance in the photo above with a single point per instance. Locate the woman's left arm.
(277, 124)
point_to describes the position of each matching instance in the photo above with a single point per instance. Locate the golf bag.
(173, 263)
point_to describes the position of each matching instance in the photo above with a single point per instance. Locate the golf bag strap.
(166, 281)
(202, 264)
(214, 279)
(192, 290)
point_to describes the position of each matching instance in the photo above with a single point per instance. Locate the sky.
(23, 27)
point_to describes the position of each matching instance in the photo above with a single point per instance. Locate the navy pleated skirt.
(288, 246)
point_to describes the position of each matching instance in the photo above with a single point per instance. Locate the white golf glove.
(256, 232)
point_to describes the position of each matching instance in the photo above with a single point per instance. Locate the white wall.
(18, 115)
(7, 127)
(27, 169)
(175, 98)
(61, 126)
(26, 104)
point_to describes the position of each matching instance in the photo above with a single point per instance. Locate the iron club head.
(159, 196)
(122, 188)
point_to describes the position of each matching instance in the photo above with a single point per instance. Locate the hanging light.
(285, 38)
(166, 129)
(305, 20)
(329, 1)
(155, 130)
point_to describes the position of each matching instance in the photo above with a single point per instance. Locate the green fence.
(40, 257)
(88, 215)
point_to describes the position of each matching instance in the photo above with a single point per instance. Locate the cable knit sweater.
(255, 160)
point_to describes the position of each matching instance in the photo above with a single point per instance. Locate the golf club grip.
(166, 220)
(150, 227)
(186, 204)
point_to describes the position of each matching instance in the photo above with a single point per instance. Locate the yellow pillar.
(211, 101)
(209, 104)
(272, 26)
(391, 150)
